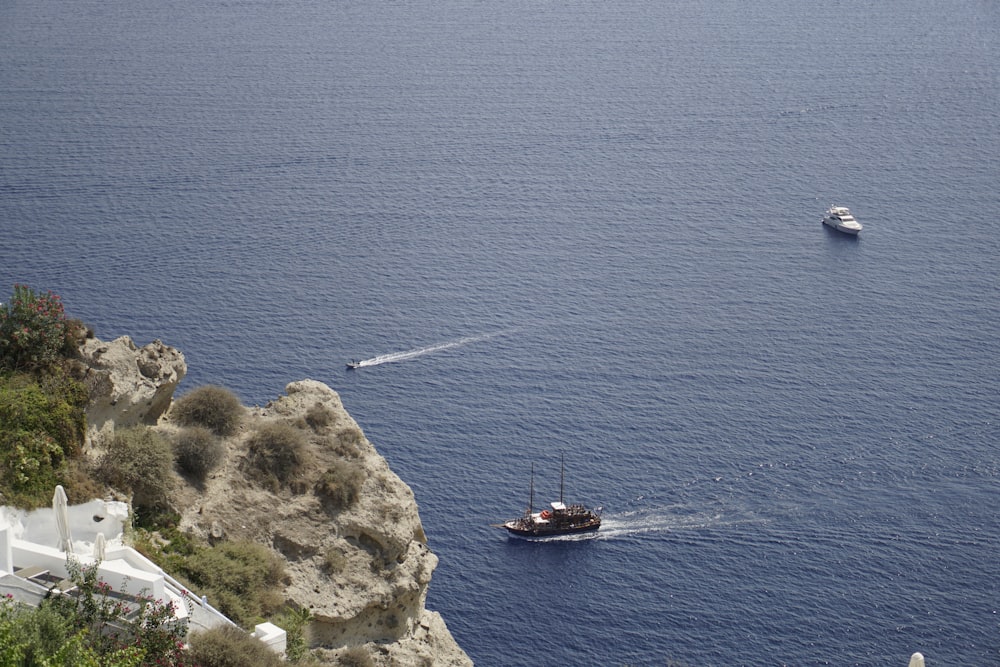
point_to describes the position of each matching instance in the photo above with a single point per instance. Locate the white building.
(35, 548)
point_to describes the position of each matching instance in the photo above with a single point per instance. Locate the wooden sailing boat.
(559, 519)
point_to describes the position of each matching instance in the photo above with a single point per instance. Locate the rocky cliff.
(362, 570)
(129, 385)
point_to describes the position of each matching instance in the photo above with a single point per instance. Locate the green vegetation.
(42, 422)
(276, 452)
(90, 629)
(139, 460)
(211, 407)
(198, 452)
(294, 622)
(42, 434)
(240, 578)
(39, 433)
(43, 426)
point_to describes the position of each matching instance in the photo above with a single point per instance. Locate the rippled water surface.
(584, 228)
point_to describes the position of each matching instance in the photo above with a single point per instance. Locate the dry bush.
(355, 656)
(98, 384)
(139, 460)
(80, 483)
(211, 407)
(348, 442)
(226, 646)
(319, 417)
(277, 452)
(334, 560)
(198, 451)
(340, 486)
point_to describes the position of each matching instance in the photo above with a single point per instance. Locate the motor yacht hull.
(853, 231)
(840, 219)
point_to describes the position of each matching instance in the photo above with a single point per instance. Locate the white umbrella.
(99, 546)
(917, 660)
(60, 507)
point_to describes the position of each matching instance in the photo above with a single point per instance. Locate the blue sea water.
(586, 229)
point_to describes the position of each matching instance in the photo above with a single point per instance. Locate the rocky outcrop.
(128, 385)
(361, 568)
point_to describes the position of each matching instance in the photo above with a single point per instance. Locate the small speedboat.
(351, 365)
(840, 218)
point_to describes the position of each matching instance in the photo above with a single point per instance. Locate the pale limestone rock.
(129, 385)
(362, 571)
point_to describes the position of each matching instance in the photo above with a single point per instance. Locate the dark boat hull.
(551, 531)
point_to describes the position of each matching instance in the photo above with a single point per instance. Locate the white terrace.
(35, 547)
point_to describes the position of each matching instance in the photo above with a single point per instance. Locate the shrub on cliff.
(239, 578)
(198, 451)
(211, 407)
(347, 442)
(42, 425)
(35, 332)
(242, 579)
(80, 482)
(355, 656)
(276, 452)
(340, 486)
(318, 417)
(139, 460)
(294, 620)
(334, 560)
(226, 646)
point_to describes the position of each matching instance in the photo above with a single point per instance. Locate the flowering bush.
(115, 623)
(34, 330)
(52, 635)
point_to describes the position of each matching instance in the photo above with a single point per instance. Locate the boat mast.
(562, 474)
(531, 492)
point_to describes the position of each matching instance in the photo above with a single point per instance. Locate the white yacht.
(840, 218)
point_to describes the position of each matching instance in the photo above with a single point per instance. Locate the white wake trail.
(421, 351)
(673, 519)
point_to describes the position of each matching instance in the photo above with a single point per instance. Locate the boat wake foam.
(421, 351)
(653, 522)
(658, 521)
